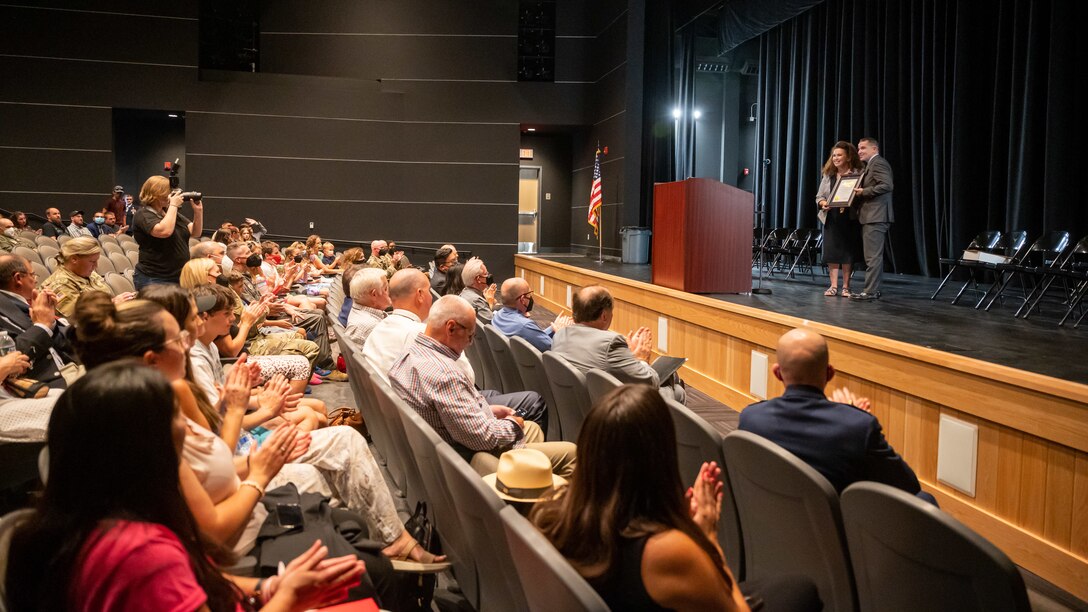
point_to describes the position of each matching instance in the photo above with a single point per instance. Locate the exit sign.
(526, 153)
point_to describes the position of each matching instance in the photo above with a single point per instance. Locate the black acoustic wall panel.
(428, 154)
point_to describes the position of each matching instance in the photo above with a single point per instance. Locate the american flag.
(595, 195)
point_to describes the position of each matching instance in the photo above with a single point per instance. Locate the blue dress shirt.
(511, 322)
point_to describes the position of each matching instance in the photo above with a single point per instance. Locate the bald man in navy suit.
(838, 437)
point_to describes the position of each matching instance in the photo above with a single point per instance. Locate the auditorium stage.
(1017, 387)
(905, 313)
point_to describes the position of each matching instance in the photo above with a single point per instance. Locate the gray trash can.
(636, 244)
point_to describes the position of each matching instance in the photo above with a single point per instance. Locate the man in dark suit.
(875, 214)
(839, 437)
(29, 317)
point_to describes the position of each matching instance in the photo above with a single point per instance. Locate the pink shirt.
(136, 566)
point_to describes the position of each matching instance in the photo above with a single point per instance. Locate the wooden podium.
(702, 237)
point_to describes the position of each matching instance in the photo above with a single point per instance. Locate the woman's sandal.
(426, 565)
(831, 291)
(845, 292)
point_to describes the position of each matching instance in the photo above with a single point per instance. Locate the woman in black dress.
(842, 232)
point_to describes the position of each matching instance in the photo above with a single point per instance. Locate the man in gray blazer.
(589, 345)
(479, 288)
(875, 215)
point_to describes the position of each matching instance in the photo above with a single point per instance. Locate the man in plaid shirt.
(428, 379)
(369, 295)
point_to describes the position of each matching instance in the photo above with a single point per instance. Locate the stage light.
(677, 113)
(530, 129)
(697, 114)
(173, 115)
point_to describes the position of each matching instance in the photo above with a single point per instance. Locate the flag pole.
(600, 224)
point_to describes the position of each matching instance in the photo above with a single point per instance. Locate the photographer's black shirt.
(160, 257)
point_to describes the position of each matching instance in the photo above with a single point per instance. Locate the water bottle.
(7, 345)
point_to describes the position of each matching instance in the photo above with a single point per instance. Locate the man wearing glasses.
(513, 319)
(29, 317)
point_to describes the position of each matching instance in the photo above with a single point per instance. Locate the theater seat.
(570, 393)
(790, 519)
(549, 581)
(909, 555)
(478, 509)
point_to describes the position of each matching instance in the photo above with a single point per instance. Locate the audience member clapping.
(626, 524)
(479, 288)
(112, 528)
(513, 318)
(333, 460)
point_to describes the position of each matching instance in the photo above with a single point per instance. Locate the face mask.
(383, 252)
(100, 220)
(10, 232)
(253, 261)
(490, 280)
(529, 306)
(277, 258)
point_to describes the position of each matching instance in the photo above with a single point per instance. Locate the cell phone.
(289, 515)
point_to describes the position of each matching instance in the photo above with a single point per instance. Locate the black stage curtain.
(972, 101)
(742, 20)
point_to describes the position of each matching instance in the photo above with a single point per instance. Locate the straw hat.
(524, 475)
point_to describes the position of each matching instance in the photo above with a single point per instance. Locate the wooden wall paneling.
(1031, 492)
(1079, 532)
(895, 422)
(1066, 570)
(987, 463)
(1058, 507)
(1033, 470)
(1009, 468)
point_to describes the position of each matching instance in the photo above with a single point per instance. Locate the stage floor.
(905, 313)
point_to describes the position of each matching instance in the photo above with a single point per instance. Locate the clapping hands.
(705, 499)
(311, 581)
(843, 395)
(640, 342)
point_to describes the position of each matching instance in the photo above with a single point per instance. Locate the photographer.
(163, 232)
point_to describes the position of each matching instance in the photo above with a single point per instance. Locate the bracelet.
(257, 598)
(250, 483)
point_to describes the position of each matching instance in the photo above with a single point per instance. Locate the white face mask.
(10, 232)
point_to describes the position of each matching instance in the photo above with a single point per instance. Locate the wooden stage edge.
(1031, 483)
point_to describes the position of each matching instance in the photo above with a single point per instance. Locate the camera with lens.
(172, 168)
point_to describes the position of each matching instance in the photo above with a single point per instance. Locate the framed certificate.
(843, 193)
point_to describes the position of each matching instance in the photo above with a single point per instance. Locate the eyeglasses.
(184, 340)
(529, 294)
(471, 336)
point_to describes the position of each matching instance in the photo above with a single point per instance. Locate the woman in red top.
(112, 531)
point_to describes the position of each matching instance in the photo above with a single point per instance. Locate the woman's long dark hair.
(454, 283)
(627, 485)
(111, 457)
